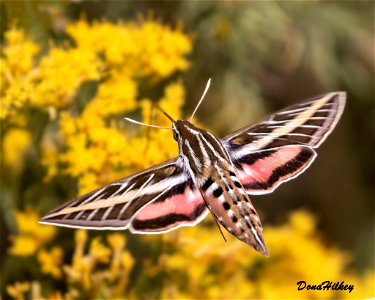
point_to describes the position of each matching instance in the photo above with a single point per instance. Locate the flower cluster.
(31, 235)
(101, 271)
(90, 145)
(196, 263)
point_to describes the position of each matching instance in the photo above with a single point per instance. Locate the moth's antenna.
(200, 101)
(162, 110)
(144, 124)
(169, 117)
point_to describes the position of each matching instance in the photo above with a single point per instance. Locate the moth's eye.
(176, 136)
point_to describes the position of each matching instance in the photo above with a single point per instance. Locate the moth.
(211, 175)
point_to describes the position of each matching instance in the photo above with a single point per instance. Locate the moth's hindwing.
(184, 207)
(281, 147)
(263, 171)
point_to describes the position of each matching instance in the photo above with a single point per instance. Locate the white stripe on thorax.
(221, 146)
(194, 156)
(213, 150)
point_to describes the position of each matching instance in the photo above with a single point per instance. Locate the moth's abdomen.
(232, 208)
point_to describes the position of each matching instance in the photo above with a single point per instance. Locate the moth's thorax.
(199, 148)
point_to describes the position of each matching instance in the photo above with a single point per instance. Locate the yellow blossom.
(303, 222)
(99, 251)
(364, 286)
(80, 240)
(163, 49)
(82, 265)
(127, 261)
(51, 261)
(55, 296)
(18, 289)
(61, 73)
(14, 146)
(117, 243)
(23, 245)
(32, 235)
(18, 56)
(116, 240)
(116, 95)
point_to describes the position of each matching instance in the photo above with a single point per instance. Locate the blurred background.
(70, 72)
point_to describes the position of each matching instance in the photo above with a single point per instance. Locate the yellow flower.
(18, 289)
(15, 143)
(14, 97)
(17, 60)
(19, 51)
(27, 223)
(54, 81)
(98, 251)
(127, 261)
(80, 240)
(117, 243)
(147, 48)
(32, 235)
(23, 245)
(364, 286)
(60, 74)
(87, 182)
(116, 95)
(51, 261)
(55, 296)
(116, 240)
(303, 222)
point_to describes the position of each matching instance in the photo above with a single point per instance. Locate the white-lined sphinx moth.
(211, 174)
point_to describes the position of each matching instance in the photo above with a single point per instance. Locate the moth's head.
(182, 128)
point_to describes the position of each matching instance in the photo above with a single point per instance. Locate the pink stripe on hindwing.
(181, 209)
(263, 171)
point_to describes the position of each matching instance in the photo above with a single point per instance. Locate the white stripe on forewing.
(93, 213)
(287, 128)
(291, 134)
(92, 197)
(292, 126)
(297, 111)
(139, 191)
(109, 209)
(123, 185)
(126, 197)
(271, 122)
